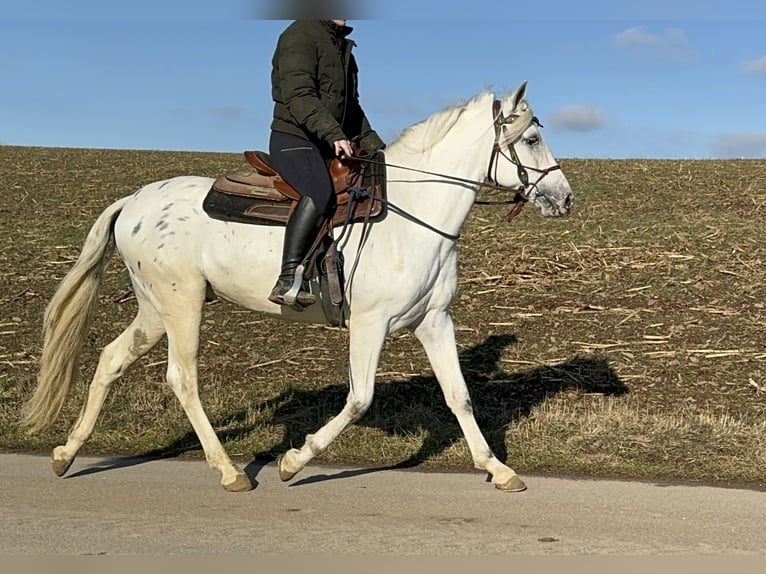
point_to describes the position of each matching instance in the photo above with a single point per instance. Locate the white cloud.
(669, 45)
(228, 112)
(642, 38)
(757, 67)
(575, 118)
(742, 144)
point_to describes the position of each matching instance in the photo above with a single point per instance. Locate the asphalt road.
(176, 507)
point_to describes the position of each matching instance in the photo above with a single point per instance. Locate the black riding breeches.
(301, 164)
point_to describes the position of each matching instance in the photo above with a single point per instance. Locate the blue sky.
(672, 79)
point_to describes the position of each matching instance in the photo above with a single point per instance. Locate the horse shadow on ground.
(413, 406)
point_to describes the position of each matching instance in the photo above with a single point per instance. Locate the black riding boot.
(301, 231)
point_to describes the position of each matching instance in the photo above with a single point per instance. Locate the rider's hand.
(343, 148)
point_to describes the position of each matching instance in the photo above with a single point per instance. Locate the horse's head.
(522, 161)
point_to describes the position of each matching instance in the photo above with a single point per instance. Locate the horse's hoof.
(513, 484)
(241, 484)
(284, 475)
(60, 466)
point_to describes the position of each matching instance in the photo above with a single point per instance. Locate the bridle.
(523, 194)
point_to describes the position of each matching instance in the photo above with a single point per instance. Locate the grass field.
(626, 340)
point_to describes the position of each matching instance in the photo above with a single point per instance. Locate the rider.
(316, 116)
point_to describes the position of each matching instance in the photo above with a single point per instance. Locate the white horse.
(403, 274)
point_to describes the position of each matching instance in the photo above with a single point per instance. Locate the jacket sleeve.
(297, 63)
(369, 140)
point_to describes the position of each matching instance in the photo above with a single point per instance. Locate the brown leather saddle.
(263, 197)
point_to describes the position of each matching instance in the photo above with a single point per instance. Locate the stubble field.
(626, 340)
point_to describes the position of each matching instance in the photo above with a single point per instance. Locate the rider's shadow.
(414, 406)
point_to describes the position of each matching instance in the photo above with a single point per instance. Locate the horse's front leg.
(437, 334)
(366, 342)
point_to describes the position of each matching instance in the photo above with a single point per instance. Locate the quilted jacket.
(314, 86)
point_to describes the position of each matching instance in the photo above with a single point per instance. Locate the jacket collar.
(335, 30)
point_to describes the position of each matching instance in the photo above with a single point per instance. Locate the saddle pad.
(227, 207)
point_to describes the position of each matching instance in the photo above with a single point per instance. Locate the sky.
(666, 79)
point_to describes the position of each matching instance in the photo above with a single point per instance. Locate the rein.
(520, 195)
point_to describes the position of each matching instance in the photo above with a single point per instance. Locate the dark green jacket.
(314, 86)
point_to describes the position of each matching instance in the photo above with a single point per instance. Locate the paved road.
(172, 507)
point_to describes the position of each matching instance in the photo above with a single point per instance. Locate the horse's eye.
(532, 141)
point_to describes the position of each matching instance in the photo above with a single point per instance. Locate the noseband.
(524, 192)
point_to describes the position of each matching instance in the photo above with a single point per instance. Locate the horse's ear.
(518, 95)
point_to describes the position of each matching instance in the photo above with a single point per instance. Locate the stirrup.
(294, 297)
(292, 293)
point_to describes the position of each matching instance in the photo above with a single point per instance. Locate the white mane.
(424, 135)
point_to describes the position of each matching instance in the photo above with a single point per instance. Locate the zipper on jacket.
(345, 69)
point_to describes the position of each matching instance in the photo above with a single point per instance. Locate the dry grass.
(626, 340)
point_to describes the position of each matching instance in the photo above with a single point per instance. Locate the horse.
(403, 275)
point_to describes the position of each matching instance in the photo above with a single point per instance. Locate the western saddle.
(270, 199)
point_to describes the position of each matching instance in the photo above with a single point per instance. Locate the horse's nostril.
(568, 202)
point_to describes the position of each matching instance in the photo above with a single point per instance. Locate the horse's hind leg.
(182, 323)
(437, 335)
(366, 342)
(142, 334)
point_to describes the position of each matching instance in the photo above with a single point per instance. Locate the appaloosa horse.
(401, 274)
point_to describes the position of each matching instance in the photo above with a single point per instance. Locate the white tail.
(66, 321)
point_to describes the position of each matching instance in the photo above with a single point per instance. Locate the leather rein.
(520, 194)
